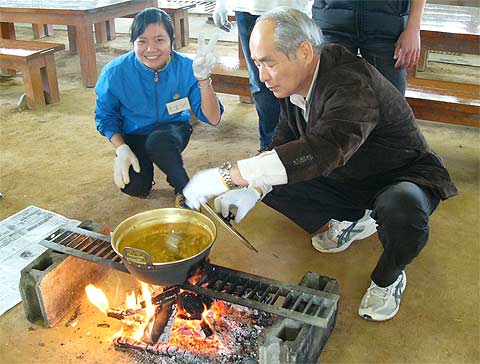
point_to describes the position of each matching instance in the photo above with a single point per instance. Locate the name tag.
(178, 105)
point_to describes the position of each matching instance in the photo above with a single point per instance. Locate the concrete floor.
(54, 158)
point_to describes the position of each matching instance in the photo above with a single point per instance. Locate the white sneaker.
(382, 303)
(341, 234)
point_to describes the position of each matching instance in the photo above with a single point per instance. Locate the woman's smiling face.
(153, 46)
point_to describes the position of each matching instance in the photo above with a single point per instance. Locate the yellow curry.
(156, 240)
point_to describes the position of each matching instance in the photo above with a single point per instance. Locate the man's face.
(153, 46)
(282, 76)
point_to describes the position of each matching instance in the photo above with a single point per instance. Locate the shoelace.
(381, 292)
(336, 227)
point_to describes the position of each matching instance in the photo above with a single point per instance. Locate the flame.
(137, 323)
(97, 297)
(132, 301)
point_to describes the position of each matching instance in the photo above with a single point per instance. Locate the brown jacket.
(360, 130)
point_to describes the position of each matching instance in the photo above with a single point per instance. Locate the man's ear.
(305, 51)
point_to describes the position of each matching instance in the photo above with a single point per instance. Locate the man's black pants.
(401, 210)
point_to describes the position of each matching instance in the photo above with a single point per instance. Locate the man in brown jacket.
(346, 142)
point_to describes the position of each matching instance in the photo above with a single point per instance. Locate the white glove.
(205, 60)
(243, 199)
(220, 15)
(203, 186)
(125, 158)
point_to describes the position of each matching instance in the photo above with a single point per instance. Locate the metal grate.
(311, 306)
(300, 303)
(84, 244)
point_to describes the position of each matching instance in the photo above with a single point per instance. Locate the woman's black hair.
(151, 16)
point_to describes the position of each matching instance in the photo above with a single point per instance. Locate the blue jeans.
(268, 108)
(401, 210)
(377, 48)
(162, 147)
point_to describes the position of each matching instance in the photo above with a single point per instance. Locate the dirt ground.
(55, 159)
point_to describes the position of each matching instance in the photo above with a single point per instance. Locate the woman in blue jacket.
(144, 98)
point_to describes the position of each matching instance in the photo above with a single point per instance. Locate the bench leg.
(422, 62)
(32, 79)
(49, 80)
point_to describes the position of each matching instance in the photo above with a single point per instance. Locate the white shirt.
(266, 169)
(258, 7)
(304, 102)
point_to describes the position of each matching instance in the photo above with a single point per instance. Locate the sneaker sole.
(392, 315)
(370, 230)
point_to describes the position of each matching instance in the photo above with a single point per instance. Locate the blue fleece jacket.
(132, 98)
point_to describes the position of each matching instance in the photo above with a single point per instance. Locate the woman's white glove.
(125, 158)
(244, 199)
(203, 186)
(220, 15)
(204, 60)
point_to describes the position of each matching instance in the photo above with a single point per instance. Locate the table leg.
(86, 48)
(185, 27)
(101, 32)
(111, 32)
(7, 31)
(42, 30)
(72, 39)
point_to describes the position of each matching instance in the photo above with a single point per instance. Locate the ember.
(186, 327)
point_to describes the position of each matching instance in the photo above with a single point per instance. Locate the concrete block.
(291, 341)
(54, 283)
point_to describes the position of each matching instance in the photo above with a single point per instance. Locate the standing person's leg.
(140, 183)
(164, 147)
(402, 213)
(379, 53)
(266, 104)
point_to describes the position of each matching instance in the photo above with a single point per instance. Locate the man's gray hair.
(292, 27)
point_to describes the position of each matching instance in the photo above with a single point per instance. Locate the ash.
(236, 333)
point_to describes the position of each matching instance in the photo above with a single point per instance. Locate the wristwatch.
(225, 173)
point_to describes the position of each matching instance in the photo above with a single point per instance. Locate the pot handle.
(136, 256)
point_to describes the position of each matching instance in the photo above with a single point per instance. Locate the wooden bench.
(443, 101)
(37, 63)
(440, 101)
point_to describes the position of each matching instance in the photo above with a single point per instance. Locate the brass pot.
(140, 264)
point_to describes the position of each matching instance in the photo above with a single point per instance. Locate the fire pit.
(183, 326)
(218, 316)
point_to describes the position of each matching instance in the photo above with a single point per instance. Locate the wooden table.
(179, 14)
(449, 28)
(81, 14)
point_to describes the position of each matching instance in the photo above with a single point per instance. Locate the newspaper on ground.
(20, 235)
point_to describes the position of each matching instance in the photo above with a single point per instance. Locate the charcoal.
(162, 314)
(191, 304)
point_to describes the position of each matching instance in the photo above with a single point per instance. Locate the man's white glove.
(220, 15)
(203, 186)
(243, 199)
(204, 60)
(125, 158)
